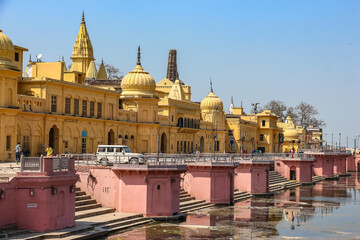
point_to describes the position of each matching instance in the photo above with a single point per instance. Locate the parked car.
(110, 154)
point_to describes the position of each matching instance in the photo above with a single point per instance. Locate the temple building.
(74, 110)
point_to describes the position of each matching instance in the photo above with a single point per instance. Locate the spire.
(102, 71)
(91, 72)
(241, 104)
(172, 72)
(232, 100)
(83, 51)
(30, 58)
(138, 57)
(211, 89)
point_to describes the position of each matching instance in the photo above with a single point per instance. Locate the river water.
(327, 210)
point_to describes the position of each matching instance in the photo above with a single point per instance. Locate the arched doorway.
(163, 146)
(111, 137)
(293, 173)
(54, 138)
(201, 144)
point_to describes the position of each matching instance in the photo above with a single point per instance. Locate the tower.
(172, 72)
(83, 52)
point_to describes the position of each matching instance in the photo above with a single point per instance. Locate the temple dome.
(7, 52)
(138, 82)
(210, 101)
(291, 134)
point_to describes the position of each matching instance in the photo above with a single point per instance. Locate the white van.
(110, 154)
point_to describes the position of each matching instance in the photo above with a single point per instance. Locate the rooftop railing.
(46, 164)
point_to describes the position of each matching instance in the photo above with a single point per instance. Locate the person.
(17, 151)
(293, 151)
(49, 151)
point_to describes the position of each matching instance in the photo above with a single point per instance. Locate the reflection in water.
(325, 210)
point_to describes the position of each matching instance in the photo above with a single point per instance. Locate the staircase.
(92, 221)
(278, 183)
(316, 179)
(189, 204)
(241, 195)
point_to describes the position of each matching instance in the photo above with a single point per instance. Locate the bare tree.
(306, 115)
(292, 113)
(277, 107)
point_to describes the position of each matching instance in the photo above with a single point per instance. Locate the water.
(327, 210)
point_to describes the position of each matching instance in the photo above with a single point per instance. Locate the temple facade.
(75, 110)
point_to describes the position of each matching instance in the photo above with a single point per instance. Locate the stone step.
(184, 195)
(184, 199)
(78, 189)
(194, 207)
(80, 193)
(238, 199)
(124, 222)
(87, 207)
(80, 198)
(12, 233)
(85, 202)
(187, 203)
(109, 218)
(93, 212)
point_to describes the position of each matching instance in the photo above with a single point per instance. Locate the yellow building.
(76, 110)
(50, 105)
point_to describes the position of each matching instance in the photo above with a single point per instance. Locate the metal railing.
(183, 159)
(31, 164)
(39, 164)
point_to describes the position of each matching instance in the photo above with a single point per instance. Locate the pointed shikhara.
(83, 52)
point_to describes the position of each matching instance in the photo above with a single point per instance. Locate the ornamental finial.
(138, 56)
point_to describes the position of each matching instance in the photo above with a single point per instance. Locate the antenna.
(38, 57)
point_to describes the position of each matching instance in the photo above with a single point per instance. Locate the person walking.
(17, 151)
(293, 152)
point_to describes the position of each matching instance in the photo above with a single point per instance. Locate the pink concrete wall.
(152, 193)
(42, 211)
(357, 160)
(340, 164)
(324, 165)
(350, 163)
(252, 178)
(303, 169)
(102, 184)
(210, 183)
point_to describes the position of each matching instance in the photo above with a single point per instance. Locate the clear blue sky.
(255, 50)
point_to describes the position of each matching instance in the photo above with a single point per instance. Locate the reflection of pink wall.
(210, 183)
(303, 169)
(357, 160)
(248, 210)
(42, 211)
(150, 192)
(253, 178)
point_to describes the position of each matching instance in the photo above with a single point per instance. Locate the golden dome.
(138, 82)
(7, 52)
(209, 102)
(291, 134)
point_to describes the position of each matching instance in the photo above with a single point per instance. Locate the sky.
(255, 51)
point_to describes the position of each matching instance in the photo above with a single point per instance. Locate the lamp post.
(339, 141)
(215, 136)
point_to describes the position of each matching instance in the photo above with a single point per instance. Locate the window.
(261, 137)
(84, 107)
(92, 109)
(76, 106)
(16, 57)
(26, 143)
(177, 146)
(83, 145)
(53, 103)
(263, 123)
(120, 104)
(67, 105)
(99, 110)
(8, 141)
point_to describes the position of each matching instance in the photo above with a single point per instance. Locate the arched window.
(180, 122)
(132, 137)
(126, 137)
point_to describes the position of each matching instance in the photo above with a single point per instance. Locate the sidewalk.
(8, 169)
